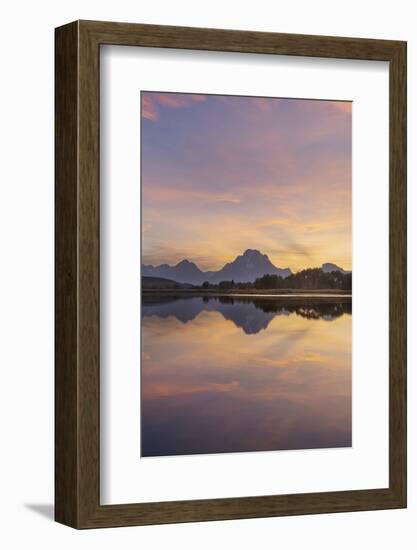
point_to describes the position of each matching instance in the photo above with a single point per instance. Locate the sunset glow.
(288, 387)
(221, 174)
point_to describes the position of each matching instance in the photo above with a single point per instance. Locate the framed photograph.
(230, 274)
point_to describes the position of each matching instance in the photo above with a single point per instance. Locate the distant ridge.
(328, 268)
(245, 268)
(183, 272)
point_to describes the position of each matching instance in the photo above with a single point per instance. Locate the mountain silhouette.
(328, 268)
(251, 265)
(183, 272)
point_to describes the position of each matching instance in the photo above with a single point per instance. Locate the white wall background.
(26, 273)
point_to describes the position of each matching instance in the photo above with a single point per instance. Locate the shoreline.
(279, 295)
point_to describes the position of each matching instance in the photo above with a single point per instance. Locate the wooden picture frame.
(77, 382)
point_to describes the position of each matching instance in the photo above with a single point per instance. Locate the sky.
(221, 174)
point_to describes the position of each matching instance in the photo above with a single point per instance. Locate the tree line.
(307, 279)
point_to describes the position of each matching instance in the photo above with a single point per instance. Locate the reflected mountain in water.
(249, 313)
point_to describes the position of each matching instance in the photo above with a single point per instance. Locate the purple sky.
(221, 174)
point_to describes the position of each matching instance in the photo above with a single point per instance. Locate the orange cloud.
(176, 194)
(263, 173)
(149, 108)
(164, 390)
(345, 106)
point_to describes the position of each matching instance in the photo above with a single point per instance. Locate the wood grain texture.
(66, 237)
(78, 284)
(398, 273)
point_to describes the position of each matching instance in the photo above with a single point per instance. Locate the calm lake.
(223, 375)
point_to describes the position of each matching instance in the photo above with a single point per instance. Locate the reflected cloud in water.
(234, 375)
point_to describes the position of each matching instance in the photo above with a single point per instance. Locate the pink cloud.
(264, 104)
(151, 102)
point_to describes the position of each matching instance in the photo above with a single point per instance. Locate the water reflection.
(250, 314)
(244, 374)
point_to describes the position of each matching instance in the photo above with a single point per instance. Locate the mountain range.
(245, 268)
(328, 268)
